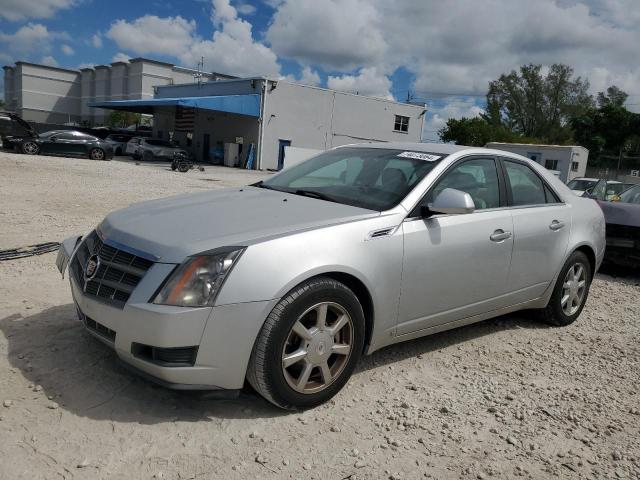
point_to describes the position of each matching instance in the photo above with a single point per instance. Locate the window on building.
(575, 166)
(401, 124)
(551, 164)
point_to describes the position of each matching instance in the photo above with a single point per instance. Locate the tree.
(613, 97)
(123, 119)
(474, 132)
(532, 104)
(609, 129)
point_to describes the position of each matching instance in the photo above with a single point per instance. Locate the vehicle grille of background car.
(118, 274)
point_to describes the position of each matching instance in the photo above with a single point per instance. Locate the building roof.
(248, 104)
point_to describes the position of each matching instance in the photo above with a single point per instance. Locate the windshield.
(581, 184)
(631, 195)
(372, 178)
(616, 188)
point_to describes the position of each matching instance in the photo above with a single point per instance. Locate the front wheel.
(30, 148)
(570, 292)
(308, 346)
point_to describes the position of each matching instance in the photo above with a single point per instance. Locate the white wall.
(319, 119)
(295, 155)
(563, 154)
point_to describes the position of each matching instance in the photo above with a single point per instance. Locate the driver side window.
(477, 177)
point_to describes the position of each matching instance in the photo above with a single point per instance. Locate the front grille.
(166, 357)
(118, 274)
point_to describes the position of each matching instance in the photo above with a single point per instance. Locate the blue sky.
(445, 53)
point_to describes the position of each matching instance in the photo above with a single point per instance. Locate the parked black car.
(12, 129)
(623, 228)
(64, 142)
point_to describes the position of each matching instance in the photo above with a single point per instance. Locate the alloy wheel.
(97, 154)
(317, 348)
(573, 289)
(30, 148)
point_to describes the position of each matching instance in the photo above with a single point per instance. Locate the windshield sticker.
(428, 157)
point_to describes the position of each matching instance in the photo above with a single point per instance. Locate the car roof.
(443, 148)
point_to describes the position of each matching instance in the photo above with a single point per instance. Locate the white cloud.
(15, 10)
(340, 35)
(460, 45)
(245, 8)
(232, 48)
(155, 35)
(438, 114)
(307, 76)
(67, 50)
(368, 81)
(30, 38)
(49, 60)
(96, 40)
(120, 57)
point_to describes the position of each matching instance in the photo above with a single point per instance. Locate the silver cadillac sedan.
(288, 282)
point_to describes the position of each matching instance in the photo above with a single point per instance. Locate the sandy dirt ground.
(505, 398)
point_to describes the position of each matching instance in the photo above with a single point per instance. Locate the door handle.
(499, 235)
(556, 225)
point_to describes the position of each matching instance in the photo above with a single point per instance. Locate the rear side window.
(527, 188)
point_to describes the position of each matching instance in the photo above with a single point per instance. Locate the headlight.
(197, 281)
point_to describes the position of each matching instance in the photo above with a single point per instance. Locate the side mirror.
(450, 201)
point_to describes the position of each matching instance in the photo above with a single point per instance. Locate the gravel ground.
(501, 399)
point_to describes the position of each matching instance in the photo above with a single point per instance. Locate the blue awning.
(248, 104)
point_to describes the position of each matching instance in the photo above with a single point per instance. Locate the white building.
(217, 120)
(45, 94)
(570, 161)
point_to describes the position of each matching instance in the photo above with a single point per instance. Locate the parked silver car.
(289, 281)
(149, 149)
(118, 141)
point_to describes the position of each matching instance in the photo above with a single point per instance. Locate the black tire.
(30, 148)
(97, 154)
(265, 372)
(183, 167)
(553, 313)
(147, 156)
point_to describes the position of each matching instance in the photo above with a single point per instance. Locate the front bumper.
(221, 336)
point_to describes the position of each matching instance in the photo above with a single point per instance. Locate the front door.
(541, 226)
(456, 266)
(206, 140)
(281, 145)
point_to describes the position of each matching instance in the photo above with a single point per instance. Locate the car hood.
(173, 228)
(619, 213)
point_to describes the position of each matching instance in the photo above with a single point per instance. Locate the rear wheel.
(570, 292)
(97, 154)
(308, 346)
(30, 148)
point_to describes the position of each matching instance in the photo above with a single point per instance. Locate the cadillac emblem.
(91, 269)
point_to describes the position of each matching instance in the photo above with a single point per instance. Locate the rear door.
(68, 144)
(541, 229)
